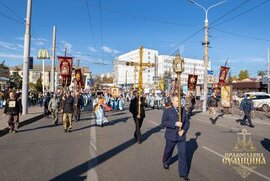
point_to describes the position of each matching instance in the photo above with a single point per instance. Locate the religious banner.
(79, 78)
(192, 82)
(226, 96)
(65, 64)
(115, 92)
(173, 87)
(222, 75)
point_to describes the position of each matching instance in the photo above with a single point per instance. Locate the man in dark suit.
(138, 119)
(174, 137)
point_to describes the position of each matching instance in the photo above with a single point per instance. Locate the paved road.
(44, 152)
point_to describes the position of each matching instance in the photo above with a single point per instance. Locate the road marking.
(249, 169)
(91, 173)
(153, 122)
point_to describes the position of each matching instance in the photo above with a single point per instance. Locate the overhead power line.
(90, 22)
(244, 12)
(240, 35)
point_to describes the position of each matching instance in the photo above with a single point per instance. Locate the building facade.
(126, 75)
(36, 73)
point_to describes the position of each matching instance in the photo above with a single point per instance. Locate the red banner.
(65, 64)
(79, 78)
(192, 82)
(222, 75)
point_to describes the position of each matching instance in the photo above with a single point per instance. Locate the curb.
(23, 123)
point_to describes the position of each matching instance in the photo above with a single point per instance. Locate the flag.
(222, 75)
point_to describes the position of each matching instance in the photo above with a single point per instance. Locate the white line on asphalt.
(153, 122)
(91, 173)
(249, 169)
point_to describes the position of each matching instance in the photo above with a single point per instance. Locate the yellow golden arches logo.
(43, 54)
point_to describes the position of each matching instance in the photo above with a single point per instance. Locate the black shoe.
(65, 130)
(251, 125)
(185, 178)
(242, 123)
(69, 130)
(166, 166)
(102, 125)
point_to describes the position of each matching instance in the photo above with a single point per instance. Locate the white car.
(261, 100)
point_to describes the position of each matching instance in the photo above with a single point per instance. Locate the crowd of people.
(71, 104)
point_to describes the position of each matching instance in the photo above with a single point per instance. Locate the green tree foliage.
(243, 74)
(230, 77)
(15, 79)
(167, 75)
(4, 70)
(38, 85)
(261, 73)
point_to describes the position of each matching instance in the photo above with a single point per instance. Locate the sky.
(97, 31)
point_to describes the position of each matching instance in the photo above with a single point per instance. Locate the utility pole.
(53, 60)
(26, 57)
(205, 44)
(268, 71)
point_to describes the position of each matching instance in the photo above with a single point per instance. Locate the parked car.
(261, 100)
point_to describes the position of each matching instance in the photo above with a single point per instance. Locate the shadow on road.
(192, 146)
(76, 172)
(116, 121)
(266, 144)
(37, 128)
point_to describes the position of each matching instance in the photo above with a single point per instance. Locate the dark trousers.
(138, 124)
(182, 161)
(77, 114)
(13, 122)
(247, 117)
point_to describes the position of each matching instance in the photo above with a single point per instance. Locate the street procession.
(105, 91)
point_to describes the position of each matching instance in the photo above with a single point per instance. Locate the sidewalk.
(34, 113)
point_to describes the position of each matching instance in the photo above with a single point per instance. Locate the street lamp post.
(178, 68)
(205, 44)
(43, 54)
(26, 57)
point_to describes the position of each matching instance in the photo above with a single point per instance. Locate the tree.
(230, 77)
(38, 85)
(15, 79)
(167, 75)
(4, 70)
(243, 74)
(261, 73)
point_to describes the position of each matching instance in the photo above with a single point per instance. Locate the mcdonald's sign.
(43, 54)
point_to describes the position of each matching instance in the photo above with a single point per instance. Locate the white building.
(125, 75)
(191, 66)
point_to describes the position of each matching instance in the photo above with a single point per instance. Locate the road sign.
(210, 72)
